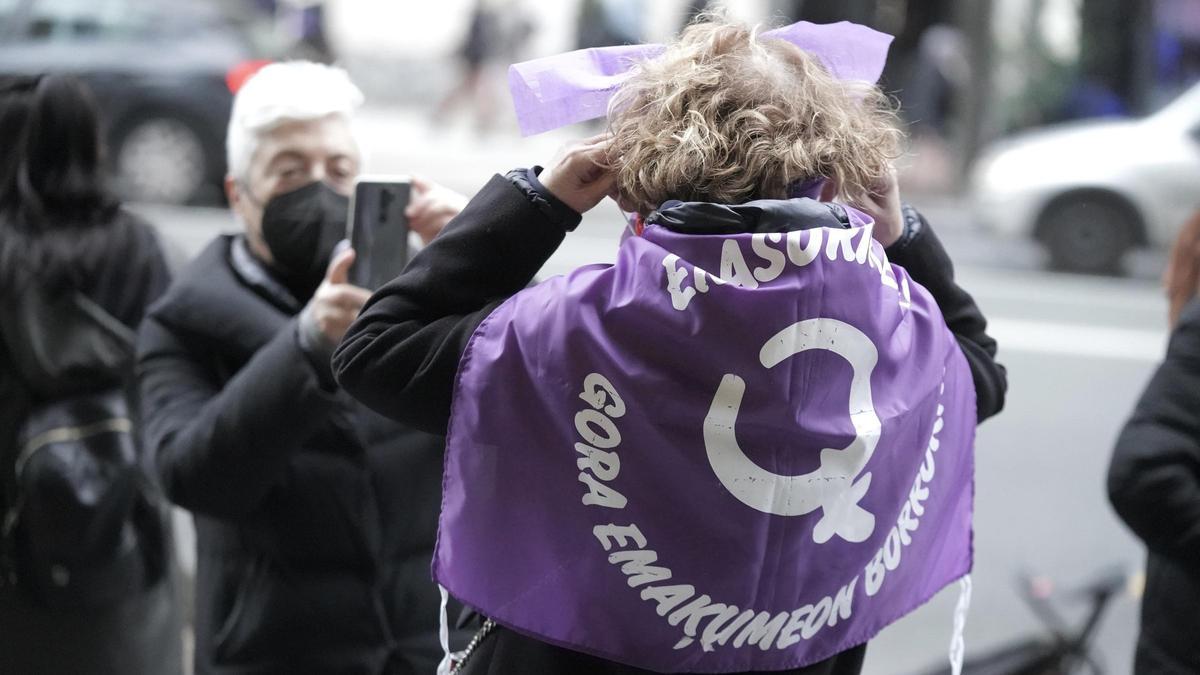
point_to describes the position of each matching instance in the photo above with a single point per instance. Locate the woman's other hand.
(882, 203)
(581, 177)
(337, 302)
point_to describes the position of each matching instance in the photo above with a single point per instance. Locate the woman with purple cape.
(745, 446)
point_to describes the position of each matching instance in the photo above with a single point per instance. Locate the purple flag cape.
(719, 454)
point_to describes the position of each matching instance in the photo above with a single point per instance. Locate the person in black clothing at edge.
(315, 517)
(61, 232)
(402, 354)
(1154, 479)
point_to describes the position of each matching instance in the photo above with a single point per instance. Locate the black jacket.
(401, 355)
(1154, 484)
(315, 516)
(137, 636)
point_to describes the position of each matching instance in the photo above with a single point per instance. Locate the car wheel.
(160, 159)
(1088, 233)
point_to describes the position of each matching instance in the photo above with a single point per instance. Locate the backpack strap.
(105, 321)
(65, 345)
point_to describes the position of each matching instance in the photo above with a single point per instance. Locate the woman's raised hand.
(581, 177)
(882, 203)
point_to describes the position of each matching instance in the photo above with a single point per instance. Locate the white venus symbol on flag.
(835, 486)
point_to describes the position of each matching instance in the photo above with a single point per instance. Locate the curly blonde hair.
(724, 115)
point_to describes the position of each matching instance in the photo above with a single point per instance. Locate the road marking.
(1045, 289)
(1080, 340)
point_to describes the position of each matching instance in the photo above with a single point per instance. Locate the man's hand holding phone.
(432, 206)
(383, 211)
(337, 302)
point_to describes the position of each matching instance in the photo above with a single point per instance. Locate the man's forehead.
(325, 136)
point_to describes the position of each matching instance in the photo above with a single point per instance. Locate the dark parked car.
(160, 70)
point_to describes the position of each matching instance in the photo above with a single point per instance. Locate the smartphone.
(379, 229)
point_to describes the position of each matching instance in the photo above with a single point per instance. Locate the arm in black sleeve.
(219, 450)
(921, 253)
(1154, 477)
(401, 355)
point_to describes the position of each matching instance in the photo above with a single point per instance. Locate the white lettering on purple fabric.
(597, 429)
(621, 533)
(604, 464)
(773, 256)
(817, 618)
(733, 266)
(761, 630)
(597, 390)
(636, 565)
(668, 597)
(599, 463)
(601, 494)
(843, 603)
(890, 555)
(842, 241)
(794, 629)
(800, 248)
(680, 297)
(696, 610)
(701, 619)
(803, 255)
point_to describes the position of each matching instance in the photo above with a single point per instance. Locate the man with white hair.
(315, 517)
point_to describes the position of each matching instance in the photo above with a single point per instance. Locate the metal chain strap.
(483, 632)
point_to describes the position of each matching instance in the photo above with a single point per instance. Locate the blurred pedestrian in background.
(497, 31)
(603, 23)
(302, 25)
(313, 40)
(315, 517)
(697, 176)
(65, 244)
(1154, 478)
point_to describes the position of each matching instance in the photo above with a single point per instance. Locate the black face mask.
(301, 228)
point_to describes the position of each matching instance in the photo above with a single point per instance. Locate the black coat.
(315, 517)
(140, 635)
(402, 354)
(1154, 484)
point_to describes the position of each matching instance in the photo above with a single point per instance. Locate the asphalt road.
(1078, 350)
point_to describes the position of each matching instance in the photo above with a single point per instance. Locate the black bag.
(81, 528)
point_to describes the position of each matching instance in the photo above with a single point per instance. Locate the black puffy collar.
(762, 215)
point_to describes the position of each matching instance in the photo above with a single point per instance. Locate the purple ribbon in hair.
(555, 91)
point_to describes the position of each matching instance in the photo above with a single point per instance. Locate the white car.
(1091, 191)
